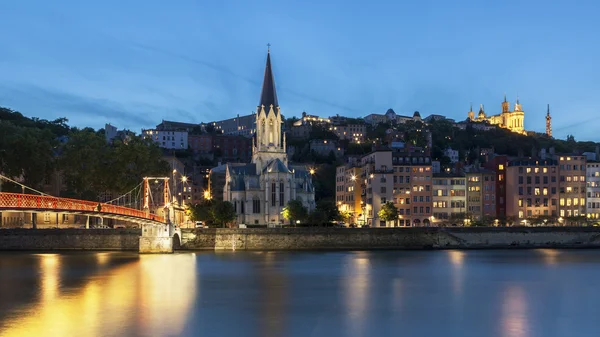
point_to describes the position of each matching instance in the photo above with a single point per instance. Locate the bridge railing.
(43, 202)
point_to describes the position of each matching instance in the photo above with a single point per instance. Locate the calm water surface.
(431, 293)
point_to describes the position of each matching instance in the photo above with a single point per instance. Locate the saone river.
(514, 293)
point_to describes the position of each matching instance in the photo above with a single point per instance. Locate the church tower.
(548, 123)
(471, 113)
(505, 105)
(268, 143)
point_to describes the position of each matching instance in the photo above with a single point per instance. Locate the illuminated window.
(582, 201)
(545, 191)
(537, 170)
(500, 177)
(562, 201)
(569, 189)
(545, 170)
(575, 201)
(568, 201)
(500, 167)
(537, 191)
(529, 170)
(520, 202)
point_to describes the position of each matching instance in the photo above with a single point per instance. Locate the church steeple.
(505, 105)
(268, 95)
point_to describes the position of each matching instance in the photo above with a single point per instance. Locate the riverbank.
(70, 239)
(310, 238)
(391, 238)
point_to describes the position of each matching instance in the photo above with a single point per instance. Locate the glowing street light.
(353, 177)
(184, 179)
(311, 171)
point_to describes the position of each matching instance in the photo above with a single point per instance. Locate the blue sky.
(133, 63)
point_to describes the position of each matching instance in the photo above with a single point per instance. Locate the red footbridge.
(43, 203)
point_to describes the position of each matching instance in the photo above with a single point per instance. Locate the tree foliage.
(222, 212)
(34, 149)
(294, 210)
(388, 212)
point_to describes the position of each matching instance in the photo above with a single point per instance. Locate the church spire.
(268, 96)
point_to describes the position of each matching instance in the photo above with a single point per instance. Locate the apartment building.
(168, 139)
(412, 187)
(449, 199)
(593, 191)
(355, 133)
(498, 165)
(572, 186)
(481, 195)
(348, 190)
(532, 189)
(377, 173)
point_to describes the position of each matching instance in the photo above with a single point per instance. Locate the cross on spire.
(268, 47)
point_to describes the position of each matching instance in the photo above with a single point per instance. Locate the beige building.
(572, 186)
(512, 120)
(377, 173)
(593, 191)
(532, 189)
(355, 133)
(449, 199)
(481, 194)
(348, 190)
(413, 187)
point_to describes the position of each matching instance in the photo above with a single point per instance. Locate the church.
(512, 120)
(260, 190)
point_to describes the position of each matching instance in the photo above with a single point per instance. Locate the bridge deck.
(40, 203)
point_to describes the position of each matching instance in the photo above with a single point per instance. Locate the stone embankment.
(390, 238)
(69, 239)
(309, 238)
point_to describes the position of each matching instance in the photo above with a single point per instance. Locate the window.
(273, 195)
(500, 167)
(242, 207)
(281, 198)
(383, 189)
(256, 206)
(520, 202)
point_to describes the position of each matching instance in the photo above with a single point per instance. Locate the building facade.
(168, 139)
(413, 187)
(572, 187)
(261, 189)
(449, 199)
(512, 120)
(481, 195)
(348, 190)
(377, 173)
(532, 190)
(355, 133)
(593, 191)
(239, 125)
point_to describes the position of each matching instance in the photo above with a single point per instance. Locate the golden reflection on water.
(156, 291)
(356, 292)
(457, 260)
(550, 255)
(514, 313)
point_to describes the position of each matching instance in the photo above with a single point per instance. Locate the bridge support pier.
(157, 239)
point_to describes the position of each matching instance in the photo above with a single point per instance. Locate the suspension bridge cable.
(23, 186)
(125, 194)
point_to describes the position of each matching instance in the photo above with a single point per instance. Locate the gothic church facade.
(261, 189)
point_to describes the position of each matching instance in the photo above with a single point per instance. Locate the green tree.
(222, 212)
(294, 210)
(388, 212)
(201, 211)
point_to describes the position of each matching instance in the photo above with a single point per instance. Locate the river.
(511, 293)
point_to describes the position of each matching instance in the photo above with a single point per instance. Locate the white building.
(593, 190)
(260, 190)
(452, 154)
(167, 139)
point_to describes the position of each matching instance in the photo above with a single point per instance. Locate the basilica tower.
(269, 143)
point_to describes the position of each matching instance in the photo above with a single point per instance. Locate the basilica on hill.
(261, 189)
(512, 120)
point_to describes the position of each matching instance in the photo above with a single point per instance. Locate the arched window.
(256, 205)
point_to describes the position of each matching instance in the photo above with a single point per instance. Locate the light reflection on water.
(444, 293)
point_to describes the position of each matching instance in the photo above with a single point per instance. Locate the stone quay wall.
(390, 238)
(69, 239)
